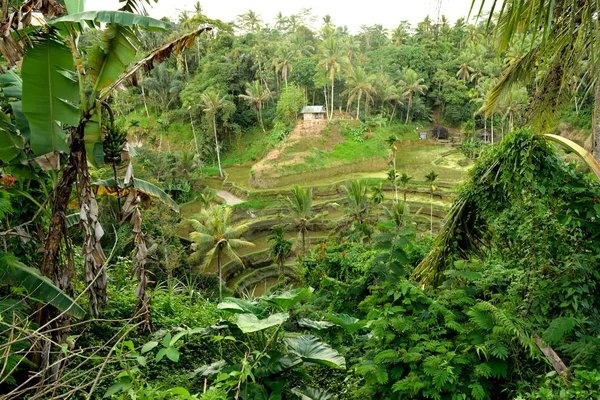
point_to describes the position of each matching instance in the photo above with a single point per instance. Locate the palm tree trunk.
(408, 109)
(217, 145)
(431, 214)
(332, 92)
(393, 114)
(358, 107)
(596, 123)
(220, 276)
(405, 195)
(260, 118)
(194, 132)
(144, 100)
(492, 128)
(303, 242)
(326, 101)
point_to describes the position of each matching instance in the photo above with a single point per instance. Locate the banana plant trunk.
(217, 145)
(220, 275)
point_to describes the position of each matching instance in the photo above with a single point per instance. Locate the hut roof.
(313, 110)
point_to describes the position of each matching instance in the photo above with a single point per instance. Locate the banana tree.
(66, 125)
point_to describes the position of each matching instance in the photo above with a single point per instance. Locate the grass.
(252, 145)
(417, 159)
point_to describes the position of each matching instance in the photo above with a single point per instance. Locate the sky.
(351, 13)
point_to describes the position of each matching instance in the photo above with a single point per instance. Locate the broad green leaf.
(311, 349)
(141, 360)
(172, 354)
(239, 306)
(21, 119)
(309, 393)
(11, 84)
(108, 60)
(75, 6)
(180, 391)
(149, 346)
(161, 353)
(39, 287)
(97, 18)
(319, 325)
(50, 94)
(348, 323)
(276, 362)
(287, 299)
(107, 188)
(92, 133)
(11, 146)
(250, 323)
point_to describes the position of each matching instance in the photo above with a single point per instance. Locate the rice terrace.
(271, 201)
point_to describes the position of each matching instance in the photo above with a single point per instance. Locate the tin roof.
(313, 110)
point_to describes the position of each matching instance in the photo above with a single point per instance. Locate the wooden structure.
(440, 132)
(311, 113)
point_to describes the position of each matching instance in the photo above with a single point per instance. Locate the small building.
(311, 113)
(485, 136)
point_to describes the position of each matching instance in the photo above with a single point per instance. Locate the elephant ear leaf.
(50, 94)
(309, 393)
(310, 349)
(249, 323)
(39, 287)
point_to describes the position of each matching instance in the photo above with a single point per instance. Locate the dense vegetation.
(138, 262)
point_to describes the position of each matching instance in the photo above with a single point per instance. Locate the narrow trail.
(230, 199)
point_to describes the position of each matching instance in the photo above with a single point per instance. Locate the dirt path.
(229, 198)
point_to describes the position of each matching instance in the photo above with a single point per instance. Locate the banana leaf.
(106, 187)
(50, 94)
(13, 272)
(95, 19)
(109, 60)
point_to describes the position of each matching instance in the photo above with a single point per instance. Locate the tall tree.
(257, 96)
(413, 85)
(215, 236)
(299, 205)
(359, 84)
(430, 179)
(332, 59)
(211, 103)
(280, 247)
(562, 34)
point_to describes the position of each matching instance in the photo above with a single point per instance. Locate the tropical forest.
(281, 208)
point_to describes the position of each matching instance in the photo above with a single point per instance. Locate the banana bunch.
(114, 140)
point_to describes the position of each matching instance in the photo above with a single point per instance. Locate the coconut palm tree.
(413, 85)
(212, 102)
(357, 200)
(392, 176)
(404, 179)
(257, 96)
(359, 84)
(430, 179)
(280, 246)
(332, 59)
(214, 236)
(299, 205)
(563, 33)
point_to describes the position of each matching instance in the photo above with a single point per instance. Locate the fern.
(558, 328)
(387, 357)
(498, 349)
(477, 391)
